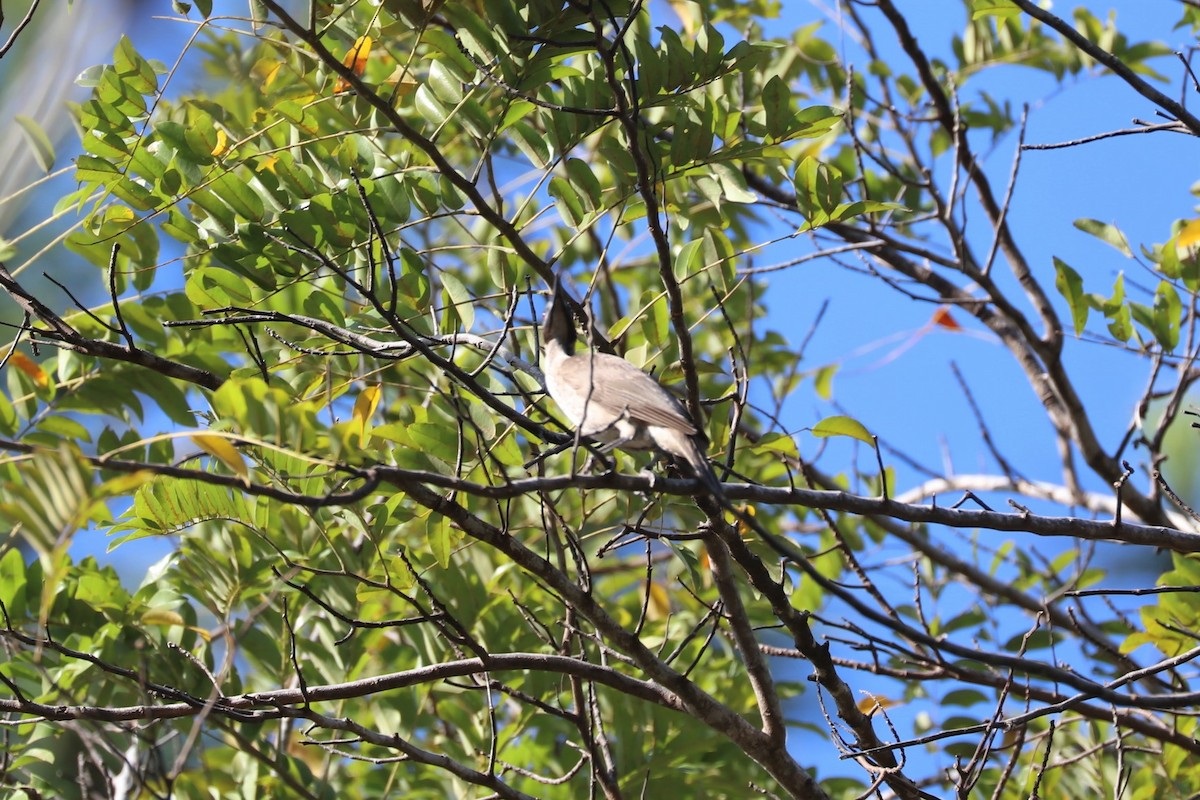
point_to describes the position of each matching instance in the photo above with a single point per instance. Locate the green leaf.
(459, 299)
(1070, 286)
(733, 183)
(567, 201)
(843, 426)
(237, 193)
(858, 208)
(64, 427)
(777, 107)
(1120, 324)
(823, 381)
(1109, 234)
(429, 106)
(39, 142)
(689, 259)
(8, 416)
(442, 538)
(1004, 9)
(134, 70)
(585, 182)
(445, 84)
(214, 287)
(777, 443)
(1166, 316)
(12, 582)
(818, 190)
(534, 146)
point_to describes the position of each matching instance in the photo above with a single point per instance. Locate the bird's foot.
(651, 476)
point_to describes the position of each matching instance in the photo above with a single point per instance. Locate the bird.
(608, 399)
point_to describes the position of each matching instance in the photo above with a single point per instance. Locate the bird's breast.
(576, 384)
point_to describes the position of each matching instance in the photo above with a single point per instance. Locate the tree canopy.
(290, 331)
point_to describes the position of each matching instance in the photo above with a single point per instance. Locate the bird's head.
(558, 325)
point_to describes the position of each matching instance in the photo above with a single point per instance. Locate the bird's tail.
(702, 469)
(689, 449)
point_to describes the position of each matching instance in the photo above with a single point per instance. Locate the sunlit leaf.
(223, 450)
(873, 703)
(1109, 234)
(843, 426)
(1070, 286)
(364, 408)
(30, 367)
(355, 61)
(994, 8)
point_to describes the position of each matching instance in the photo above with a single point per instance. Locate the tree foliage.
(392, 569)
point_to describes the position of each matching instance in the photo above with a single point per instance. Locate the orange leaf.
(356, 61)
(942, 317)
(30, 368)
(872, 703)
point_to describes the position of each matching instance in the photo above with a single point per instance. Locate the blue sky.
(1133, 182)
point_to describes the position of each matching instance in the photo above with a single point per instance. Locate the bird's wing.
(619, 386)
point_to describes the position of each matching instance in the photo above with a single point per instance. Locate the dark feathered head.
(558, 326)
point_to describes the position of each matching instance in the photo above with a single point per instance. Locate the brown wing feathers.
(617, 384)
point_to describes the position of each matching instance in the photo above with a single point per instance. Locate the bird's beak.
(558, 325)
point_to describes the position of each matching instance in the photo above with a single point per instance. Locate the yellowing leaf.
(356, 61)
(659, 606)
(401, 82)
(843, 426)
(743, 525)
(1188, 239)
(162, 616)
(219, 148)
(364, 408)
(221, 449)
(30, 368)
(272, 73)
(872, 703)
(125, 484)
(167, 618)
